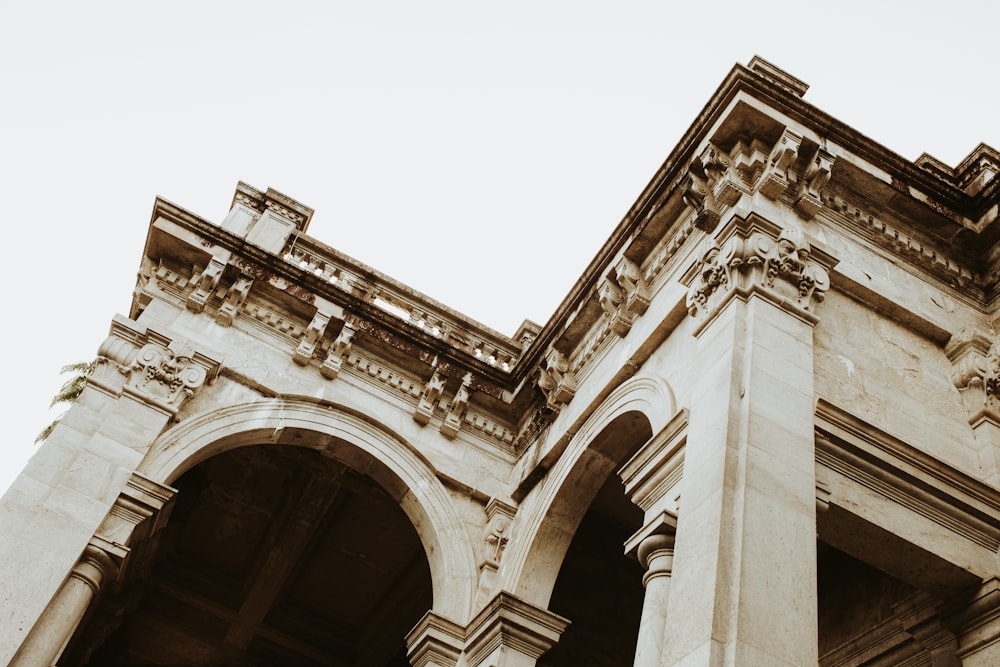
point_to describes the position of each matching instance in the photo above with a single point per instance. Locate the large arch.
(355, 441)
(628, 417)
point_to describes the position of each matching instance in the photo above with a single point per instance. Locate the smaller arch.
(629, 416)
(355, 441)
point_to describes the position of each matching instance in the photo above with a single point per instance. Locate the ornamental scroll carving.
(753, 260)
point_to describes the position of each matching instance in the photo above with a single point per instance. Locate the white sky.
(479, 152)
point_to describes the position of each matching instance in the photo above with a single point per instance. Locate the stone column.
(744, 580)
(46, 641)
(656, 554)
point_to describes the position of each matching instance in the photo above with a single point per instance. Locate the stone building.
(762, 429)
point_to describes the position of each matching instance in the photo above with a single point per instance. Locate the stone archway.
(320, 487)
(548, 520)
(272, 555)
(354, 441)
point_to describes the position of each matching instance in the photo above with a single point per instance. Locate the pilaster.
(744, 581)
(80, 486)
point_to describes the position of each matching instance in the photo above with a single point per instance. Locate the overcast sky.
(479, 152)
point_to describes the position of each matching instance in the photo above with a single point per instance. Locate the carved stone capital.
(435, 641)
(151, 366)
(755, 256)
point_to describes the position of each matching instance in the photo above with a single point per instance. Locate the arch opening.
(271, 555)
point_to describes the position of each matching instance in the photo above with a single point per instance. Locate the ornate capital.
(151, 366)
(754, 256)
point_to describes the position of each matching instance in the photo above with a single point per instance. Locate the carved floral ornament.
(717, 178)
(750, 260)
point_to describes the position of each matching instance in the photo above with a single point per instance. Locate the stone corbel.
(783, 157)
(456, 411)
(975, 361)
(205, 284)
(814, 178)
(726, 186)
(231, 303)
(311, 338)
(338, 352)
(429, 399)
(633, 283)
(556, 381)
(749, 158)
(697, 194)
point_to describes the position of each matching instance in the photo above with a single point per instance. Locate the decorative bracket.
(429, 399)
(311, 338)
(556, 381)
(231, 303)
(624, 295)
(453, 420)
(338, 352)
(205, 284)
(976, 373)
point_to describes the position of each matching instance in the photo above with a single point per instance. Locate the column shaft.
(46, 641)
(657, 555)
(744, 583)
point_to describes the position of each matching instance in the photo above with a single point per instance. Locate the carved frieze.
(756, 257)
(556, 380)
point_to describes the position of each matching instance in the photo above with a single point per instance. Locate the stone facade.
(762, 429)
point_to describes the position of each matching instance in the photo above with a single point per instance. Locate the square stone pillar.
(80, 483)
(744, 577)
